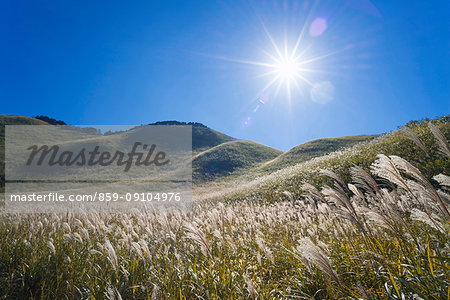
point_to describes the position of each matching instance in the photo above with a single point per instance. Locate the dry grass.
(378, 237)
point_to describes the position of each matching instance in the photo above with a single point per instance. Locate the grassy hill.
(251, 161)
(272, 186)
(313, 149)
(383, 237)
(205, 138)
(11, 120)
(19, 120)
(228, 157)
(233, 163)
(217, 155)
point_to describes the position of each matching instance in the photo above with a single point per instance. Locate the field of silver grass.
(385, 235)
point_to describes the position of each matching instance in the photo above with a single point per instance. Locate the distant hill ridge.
(50, 121)
(226, 158)
(53, 121)
(217, 155)
(193, 124)
(203, 137)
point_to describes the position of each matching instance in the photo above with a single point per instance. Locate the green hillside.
(272, 186)
(219, 156)
(257, 234)
(313, 149)
(11, 120)
(19, 120)
(204, 138)
(228, 157)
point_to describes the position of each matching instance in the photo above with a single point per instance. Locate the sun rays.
(286, 66)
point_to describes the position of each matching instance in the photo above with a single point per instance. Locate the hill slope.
(273, 185)
(11, 120)
(226, 158)
(203, 137)
(217, 155)
(19, 120)
(313, 149)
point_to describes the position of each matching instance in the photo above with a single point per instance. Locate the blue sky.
(371, 65)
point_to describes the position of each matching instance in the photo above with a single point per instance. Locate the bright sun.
(285, 65)
(287, 68)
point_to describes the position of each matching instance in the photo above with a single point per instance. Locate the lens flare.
(290, 66)
(322, 92)
(318, 26)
